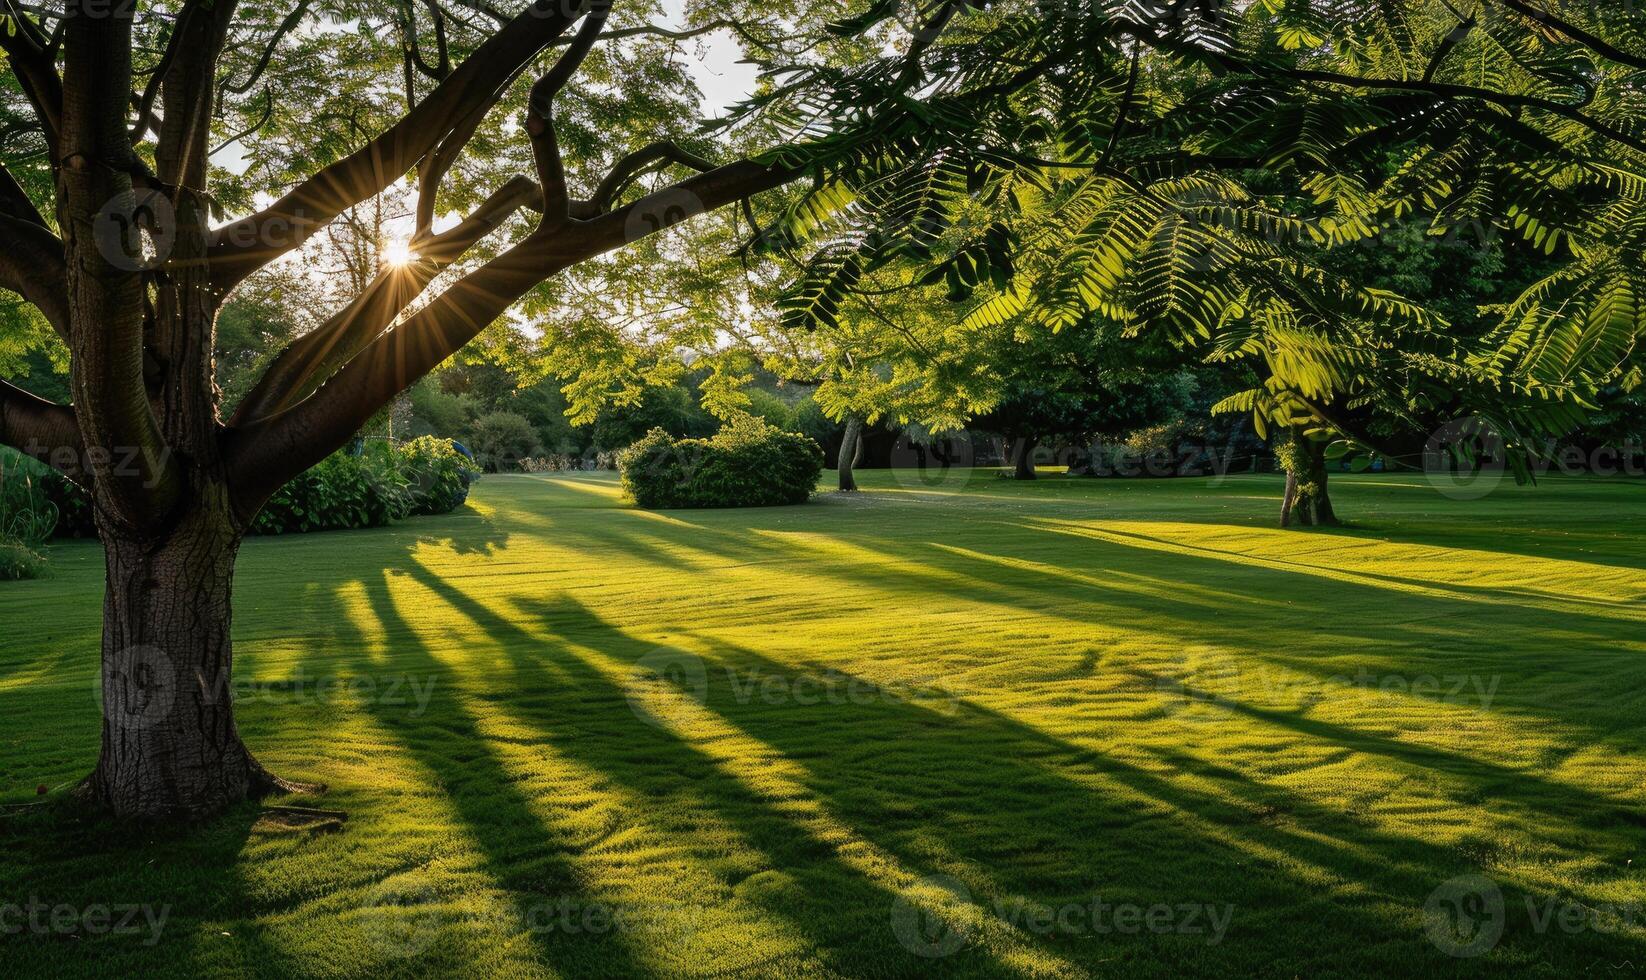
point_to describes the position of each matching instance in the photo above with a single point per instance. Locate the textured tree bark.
(851, 450)
(1324, 514)
(170, 747)
(1308, 499)
(1023, 453)
(1289, 501)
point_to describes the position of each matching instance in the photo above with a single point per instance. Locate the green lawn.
(578, 739)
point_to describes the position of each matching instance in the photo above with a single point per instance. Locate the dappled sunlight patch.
(595, 486)
(43, 670)
(1112, 580)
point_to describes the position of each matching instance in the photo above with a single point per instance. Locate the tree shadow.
(789, 860)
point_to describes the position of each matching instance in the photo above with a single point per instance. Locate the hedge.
(369, 487)
(747, 464)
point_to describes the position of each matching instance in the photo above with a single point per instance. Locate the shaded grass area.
(975, 718)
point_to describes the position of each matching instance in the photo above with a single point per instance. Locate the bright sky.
(718, 72)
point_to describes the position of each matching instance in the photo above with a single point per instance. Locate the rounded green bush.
(18, 561)
(380, 484)
(438, 476)
(747, 464)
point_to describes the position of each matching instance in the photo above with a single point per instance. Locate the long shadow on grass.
(1522, 598)
(181, 880)
(932, 782)
(1268, 609)
(519, 852)
(837, 906)
(974, 793)
(1197, 599)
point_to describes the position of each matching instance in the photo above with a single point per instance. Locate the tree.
(500, 440)
(1080, 382)
(1122, 188)
(126, 267)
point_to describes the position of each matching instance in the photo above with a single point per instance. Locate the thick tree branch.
(316, 355)
(551, 171)
(245, 245)
(188, 86)
(14, 201)
(436, 165)
(32, 63)
(32, 266)
(138, 479)
(42, 430)
(442, 63)
(143, 105)
(627, 168)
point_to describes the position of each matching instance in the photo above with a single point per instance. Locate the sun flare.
(398, 253)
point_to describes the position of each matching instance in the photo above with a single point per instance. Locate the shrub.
(380, 484)
(342, 491)
(748, 464)
(436, 474)
(28, 515)
(18, 561)
(502, 439)
(373, 486)
(568, 462)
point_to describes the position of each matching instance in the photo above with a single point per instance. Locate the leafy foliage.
(379, 485)
(500, 440)
(747, 464)
(344, 491)
(437, 476)
(1190, 171)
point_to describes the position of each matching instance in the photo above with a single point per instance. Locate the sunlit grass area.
(974, 727)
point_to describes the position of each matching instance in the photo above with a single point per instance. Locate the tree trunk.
(1288, 501)
(170, 747)
(1308, 500)
(851, 450)
(1324, 515)
(1023, 453)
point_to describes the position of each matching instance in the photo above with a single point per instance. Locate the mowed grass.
(922, 730)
